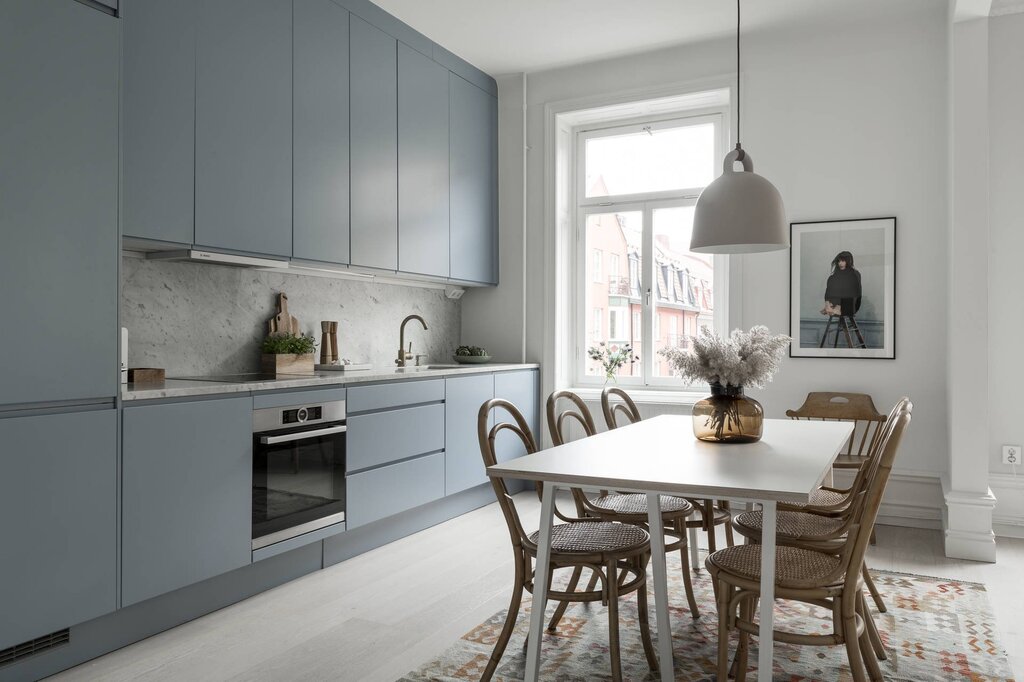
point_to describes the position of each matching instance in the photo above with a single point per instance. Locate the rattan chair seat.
(791, 524)
(593, 536)
(636, 503)
(794, 567)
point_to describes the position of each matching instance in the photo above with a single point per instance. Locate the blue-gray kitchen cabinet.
(388, 490)
(58, 520)
(464, 466)
(186, 494)
(373, 146)
(158, 128)
(522, 389)
(58, 201)
(422, 164)
(320, 106)
(474, 183)
(243, 197)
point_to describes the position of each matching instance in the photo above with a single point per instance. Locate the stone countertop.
(183, 388)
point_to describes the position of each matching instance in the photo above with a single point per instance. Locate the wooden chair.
(711, 515)
(621, 507)
(616, 553)
(845, 407)
(829, 578)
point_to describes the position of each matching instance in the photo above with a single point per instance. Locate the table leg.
(694, 550)
(765, 640)
(660, 586)
(541, 576)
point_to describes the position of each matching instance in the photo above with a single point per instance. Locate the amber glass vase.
(728, 416)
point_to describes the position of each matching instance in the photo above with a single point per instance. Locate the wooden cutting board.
(284, 322)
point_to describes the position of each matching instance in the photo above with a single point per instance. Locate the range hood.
(198, 256)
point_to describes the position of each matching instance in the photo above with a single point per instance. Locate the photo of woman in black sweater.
(842, 290)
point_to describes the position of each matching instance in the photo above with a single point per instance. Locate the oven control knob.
(302, 415)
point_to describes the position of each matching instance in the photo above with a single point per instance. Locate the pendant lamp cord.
(738, 148)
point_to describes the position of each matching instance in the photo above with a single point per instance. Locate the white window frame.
(645, 203)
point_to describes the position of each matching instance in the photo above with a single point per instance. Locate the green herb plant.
(470, 351)
(289, 344)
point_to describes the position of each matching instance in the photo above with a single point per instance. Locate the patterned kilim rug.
(935, 629)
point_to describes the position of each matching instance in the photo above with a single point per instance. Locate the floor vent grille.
(34, 646)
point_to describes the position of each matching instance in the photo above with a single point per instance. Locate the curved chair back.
(486, 436)
(851, 407)
(627, 408)
(880, 470)
(578, 411)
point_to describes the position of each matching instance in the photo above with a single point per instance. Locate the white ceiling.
(508, 36)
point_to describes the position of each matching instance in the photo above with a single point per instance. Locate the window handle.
(648, 295)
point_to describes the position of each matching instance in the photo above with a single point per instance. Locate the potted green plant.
(288, 354)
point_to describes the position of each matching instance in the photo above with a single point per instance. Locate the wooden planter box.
(287, 364)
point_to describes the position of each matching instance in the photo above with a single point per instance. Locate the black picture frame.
(879, 336)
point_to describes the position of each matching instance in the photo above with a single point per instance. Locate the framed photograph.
(842, 289)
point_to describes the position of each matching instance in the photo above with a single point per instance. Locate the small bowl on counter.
(471, 359)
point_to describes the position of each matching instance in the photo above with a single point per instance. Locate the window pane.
(682, 284)
(655, 161)
(612, 297)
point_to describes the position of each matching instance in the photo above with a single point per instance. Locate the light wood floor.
(384, 613)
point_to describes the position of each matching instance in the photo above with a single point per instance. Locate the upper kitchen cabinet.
(320, 107)
(422, 164)
(373, 149)
(58, 193)
(158, 130)
(243, 165)
(474, 183)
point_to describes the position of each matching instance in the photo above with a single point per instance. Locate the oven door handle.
(302, 435)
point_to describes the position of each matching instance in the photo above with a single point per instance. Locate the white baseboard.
(967, 523)
(1008, 516)
(913, 499)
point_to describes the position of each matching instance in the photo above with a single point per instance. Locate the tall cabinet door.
(186, 494)
(320, 109)
(463, 464)
(158, 128)
(244, 126)
(474, 183)
(58, 519)
(422, 164)
(374, 146)
(58, 201)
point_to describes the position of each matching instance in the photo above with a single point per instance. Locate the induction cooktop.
(253, 377)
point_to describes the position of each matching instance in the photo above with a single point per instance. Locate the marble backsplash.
(199, 318)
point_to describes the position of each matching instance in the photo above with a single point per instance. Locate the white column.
(969, 502)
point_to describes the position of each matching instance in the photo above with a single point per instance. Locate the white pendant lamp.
(740, 212)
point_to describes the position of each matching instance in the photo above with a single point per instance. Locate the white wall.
(1006, 244)
(849, 122)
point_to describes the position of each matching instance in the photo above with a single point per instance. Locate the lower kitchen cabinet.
(520, 388)
(58, 521)
(388, 490)
(187, 494)
(464, 466)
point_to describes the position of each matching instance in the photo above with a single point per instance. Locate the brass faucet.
(403, 354)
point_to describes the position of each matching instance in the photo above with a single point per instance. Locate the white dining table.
(662, 456)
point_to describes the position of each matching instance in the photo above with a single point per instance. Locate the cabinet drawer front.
(375, 439)
(384, 396)
(373, 495)
(298, 398)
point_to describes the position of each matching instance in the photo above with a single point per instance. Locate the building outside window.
(637, 186)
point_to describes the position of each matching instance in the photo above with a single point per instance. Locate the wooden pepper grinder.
(325, 342)
(334, 343)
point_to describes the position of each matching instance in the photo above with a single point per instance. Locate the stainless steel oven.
(298, 470)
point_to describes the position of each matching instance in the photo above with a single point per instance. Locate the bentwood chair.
(621, 507)
(824, 527)
(826, 578)
(711, 514)
(616, 553)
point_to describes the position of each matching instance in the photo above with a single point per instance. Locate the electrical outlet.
(1011, 454)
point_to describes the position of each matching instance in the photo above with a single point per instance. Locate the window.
(636, 189)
